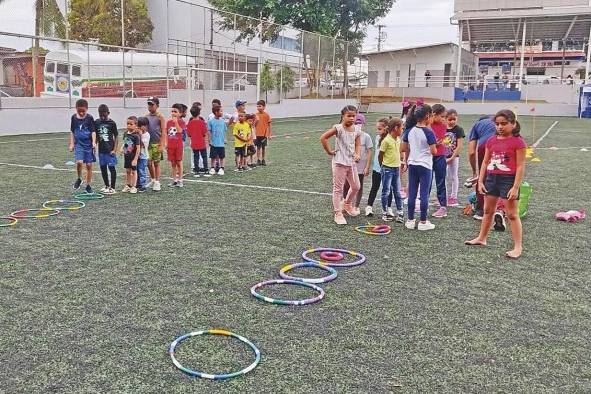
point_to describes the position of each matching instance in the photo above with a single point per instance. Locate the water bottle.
(524, 194)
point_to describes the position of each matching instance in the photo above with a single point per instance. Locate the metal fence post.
(334, 51)
(69, 75)
(318, 70)
(302, 60)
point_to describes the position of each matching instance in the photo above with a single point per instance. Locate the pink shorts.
(174, 153)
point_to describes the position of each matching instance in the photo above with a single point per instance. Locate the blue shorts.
(84, 155)
(217, 152)
(106, 159)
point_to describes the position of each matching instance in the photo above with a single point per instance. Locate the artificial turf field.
(91, 300)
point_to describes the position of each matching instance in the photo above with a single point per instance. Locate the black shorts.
(498, 185)
(217, 152)
(260, 142)
(127, 164)
(250, 150)
(240, 151)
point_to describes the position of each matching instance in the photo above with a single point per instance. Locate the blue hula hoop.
(253, 291)
(333, 273)
(203, 375)
(360, 257)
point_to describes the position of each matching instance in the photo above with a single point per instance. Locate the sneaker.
(339, 218)
(410, 224)
(133, 190)
(77, 184)
(105, 190)
(221, 171)
(390, 212)
(387, 217)
(478, 215)
(150, 184)
(263, 163)
(440, 213)
(157, 186)
(426, 226)
(237, 169)
(368, 211)
(400, 217)
(453, 202)
(180, 183)
(258, 163)
(207, 174)
(172, 184)
(196, 175)
(141, 189)
(249, 168)
(350, 210)
(500, 224)
(212, 171)
(126, 189)
(112, 191)
(88, 189)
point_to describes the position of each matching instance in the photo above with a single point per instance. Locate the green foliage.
(267, 78)
(285, 79)
(49, 20)
(100, 20)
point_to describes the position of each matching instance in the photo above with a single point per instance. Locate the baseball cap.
(239, 103)
(360, 119)
(153, 100)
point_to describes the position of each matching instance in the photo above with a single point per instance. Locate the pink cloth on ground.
(571, 216)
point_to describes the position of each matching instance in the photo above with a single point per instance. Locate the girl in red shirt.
(500, 177)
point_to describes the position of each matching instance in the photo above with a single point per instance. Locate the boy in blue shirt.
(217, 128)
(83, 143)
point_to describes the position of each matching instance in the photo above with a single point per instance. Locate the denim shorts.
(498, 185)
(107, 159)
(84, 155)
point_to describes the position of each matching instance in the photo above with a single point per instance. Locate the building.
(432, 65)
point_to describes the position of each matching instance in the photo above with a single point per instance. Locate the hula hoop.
(381, 229)
(361, 258)
(331, 256)
(253, 291)
(88, 196)
(47, 212)
(203, 375)
(289, 267)
(64, 208)
(11, 221)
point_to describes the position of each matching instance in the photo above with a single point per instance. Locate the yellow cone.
(536, 160)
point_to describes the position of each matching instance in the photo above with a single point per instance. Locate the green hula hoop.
(11, 221)
(71, 207)
(34, 213)
(88, 196)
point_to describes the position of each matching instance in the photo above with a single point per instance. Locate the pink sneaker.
(440, 213)
(339, 218)
(351, 211)
(452, 202)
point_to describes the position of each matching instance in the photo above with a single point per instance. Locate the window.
(285, 43)
(50, 68)
(76, 72)
(62, 68)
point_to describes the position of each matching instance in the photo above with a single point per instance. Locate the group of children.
(426, 144)
(147, 138)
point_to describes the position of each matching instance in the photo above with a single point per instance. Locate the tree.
(100, 20)
(285, 79)
(267, 80)
(342, 19)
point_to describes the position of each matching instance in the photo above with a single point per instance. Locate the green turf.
(92, 299)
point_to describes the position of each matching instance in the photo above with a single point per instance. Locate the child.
(250, 148)
(419, 144)
(500, 176)
(157, 142)
(197, 131)
(263, 132)
(107, 134)
(453, 146)
(376, 175)
(346, 153)
(131, 153)
(241, 134)
(389, 158)
(175, 126)
(439, 128)
(83, 143)
(364, 164)
(217, 128)
(142, 163)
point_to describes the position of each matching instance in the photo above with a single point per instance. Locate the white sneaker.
(340, 219)
(410, 224)
(180, 184)
(157, 187)
(196, 175)
(105, 190)
(425, 226)
(150, 184)
(112, 191)
(133, 190)
(368, 211)
(212, 171)
(221, 171)
(126, 189)
(390, 212)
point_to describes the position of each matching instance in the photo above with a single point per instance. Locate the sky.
(408, 23)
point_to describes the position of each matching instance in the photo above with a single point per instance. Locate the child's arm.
(237, 135)
(163, 135)
(93, 134)
(381, 157)
(71, 145)
(115, 141)
(357, 155)
(367, 169)
(514, 192)
(137, 154)
(482, 176)
(403, 159)
(324, 141)
(433, 149)
(456, 152)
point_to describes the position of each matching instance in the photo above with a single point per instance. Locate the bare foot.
(513, 254)
(475, 242)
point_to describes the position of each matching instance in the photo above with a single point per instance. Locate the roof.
(410, 48)
(544, 54)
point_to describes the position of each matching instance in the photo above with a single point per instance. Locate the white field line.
(535, 144)
(65, 138)
(565, 148)
(279, 189)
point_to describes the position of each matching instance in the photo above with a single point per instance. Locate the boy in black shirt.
(107, 134)
(131, 153)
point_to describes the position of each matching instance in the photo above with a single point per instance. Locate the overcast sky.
(410, 22)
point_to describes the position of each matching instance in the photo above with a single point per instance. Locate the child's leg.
(179, 169)
(113, 172)
(360, 192)
(157, 170)
(88, 173)
(203, 153)
(395, 187)
(105, 175)
(196, 154)
(346, 188)
(376, 181)
(339, 175)
(221, 161)
(128, 177)
(353, 179)
(133, 178)
(386, 182)
(490, 204)
(264, 149)
(151, 169)
(413, 189)
(512, 212)
(439, 170)
(452, 177)
(79, 166)
(425, 180)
